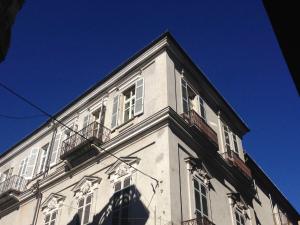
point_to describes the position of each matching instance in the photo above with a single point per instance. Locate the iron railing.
(233, 159)
(13, 183)
(281, 219)
(198, 221)
(94, 130)
(194, 119)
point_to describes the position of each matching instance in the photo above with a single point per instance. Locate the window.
(122, 197)
(84, 209)
(130, 103)
(50, 218)
(227, 137)
(235, 144)
(192, 101)
(43, 158)
(201, 201)
(6, 174)
(231, 142)
(239, 217)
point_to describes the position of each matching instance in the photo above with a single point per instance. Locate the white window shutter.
(202, 111)
(21, 168)
(32, 158)
(86, 121)
(139, 97)
(115, 112)
(184, 94)
(55, 149)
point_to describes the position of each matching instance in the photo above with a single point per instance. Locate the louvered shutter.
(55, 149)
(21, 168)
(32, 158)
(184, 93)
(115, 112)
(202, 108)
(139, 97)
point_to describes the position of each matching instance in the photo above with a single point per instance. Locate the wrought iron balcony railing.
(194, 119)
(198, 221)
(93, 132)
(14, 183)
(233, 159)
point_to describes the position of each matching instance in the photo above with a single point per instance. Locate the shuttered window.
(139, 97)
(43, 157)
(227, 137)
(184, 94)
(32, 158)
(55, 149)
(235, 144)
(115, 112)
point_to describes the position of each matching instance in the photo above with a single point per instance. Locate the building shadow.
(124, 207)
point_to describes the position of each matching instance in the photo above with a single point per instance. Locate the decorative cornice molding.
(197, 167)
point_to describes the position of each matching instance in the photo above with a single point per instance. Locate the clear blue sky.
(60, 48)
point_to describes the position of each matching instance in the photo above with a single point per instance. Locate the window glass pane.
(203, 190)
(197, 201)
(126, 182)
(80, 211)
(53, 215)
(196, 184)
(88, 199)
(204, 206)
(126, 115)
(86, 214)
(52, 222)
(80, 203)
(117, 186)
(47, 218)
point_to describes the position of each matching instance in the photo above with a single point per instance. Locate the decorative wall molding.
(121, 167)
(196, 167)
(236, 201)
(52, 202)
(86, 186)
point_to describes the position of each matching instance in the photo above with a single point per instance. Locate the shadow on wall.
(124, 207)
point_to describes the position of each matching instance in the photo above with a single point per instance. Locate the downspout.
(179, 173)
(38, 203)
(39, 194)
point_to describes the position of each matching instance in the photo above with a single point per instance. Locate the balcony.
(10, 189)
(78, 145)
(198, 221)
(233, 159)
(195, 121)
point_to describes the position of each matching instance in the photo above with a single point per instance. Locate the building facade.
(152, 143)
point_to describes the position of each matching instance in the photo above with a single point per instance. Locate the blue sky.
(61, 48)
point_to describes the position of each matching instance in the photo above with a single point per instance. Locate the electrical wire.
(69, 128)
(20, 117)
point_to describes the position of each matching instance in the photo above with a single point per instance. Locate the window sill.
(124, 125)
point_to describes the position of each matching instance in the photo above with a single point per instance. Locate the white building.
(169, 151)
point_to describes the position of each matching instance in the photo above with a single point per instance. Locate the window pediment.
(121, 167)
(237, 201)
(197, 167)
(86, 185)
(53, 201)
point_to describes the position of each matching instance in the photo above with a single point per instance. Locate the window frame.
(50, 214)
(131, 107)
(83, 207)
(43, 158)
(201, 195)
(241, 217)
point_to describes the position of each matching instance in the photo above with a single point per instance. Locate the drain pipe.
(39, 199)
